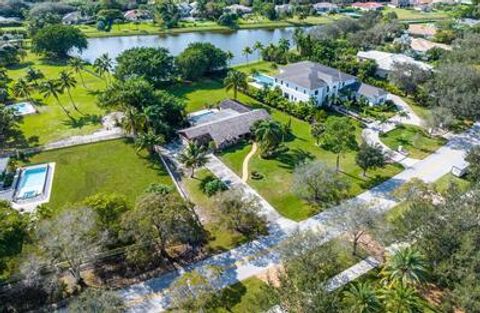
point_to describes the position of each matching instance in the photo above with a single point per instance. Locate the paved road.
(258, 256)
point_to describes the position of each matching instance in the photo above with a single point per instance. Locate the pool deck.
(29, 205)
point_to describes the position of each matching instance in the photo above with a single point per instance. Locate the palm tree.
(407, 267)
(148, 141)
(66, 81)
(33, 75)
(284, 44)
(269, 135)
(193, 156)
(235, 80)
(133, 121)
(230, 56)
(50, 88)
(103, 64)
(361, 298)
(403, 299)
(22, 89)
(78, 66)
(258, 46)
(246, 52)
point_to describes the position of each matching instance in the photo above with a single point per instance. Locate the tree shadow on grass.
(231, 296)
(20, 66)
(88, 119)
(373, 181)
(291, 158)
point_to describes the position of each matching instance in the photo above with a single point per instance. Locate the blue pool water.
(23, 108)
(263, 79)
(32, 181)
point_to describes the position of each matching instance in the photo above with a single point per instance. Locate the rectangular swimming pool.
(31, 182)
(263, 79)
(23, 108)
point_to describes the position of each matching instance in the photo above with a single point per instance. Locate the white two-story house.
(303, 81)
(307, 80)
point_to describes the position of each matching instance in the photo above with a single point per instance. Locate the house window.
(296, 88)
(328, 89)
(304, 91)
(281, 82)
(316, 92)
(286, 95)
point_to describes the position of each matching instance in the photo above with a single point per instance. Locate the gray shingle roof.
(370, 91)
(234, 105)
(227, 129)
(311, 75)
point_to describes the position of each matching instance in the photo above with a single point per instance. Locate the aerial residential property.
(308, 80)
(239, 156)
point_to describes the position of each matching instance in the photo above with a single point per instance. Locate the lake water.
(176, 43)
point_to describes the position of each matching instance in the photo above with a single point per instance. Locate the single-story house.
(400, 3)
(471, 22)
(228, 124)
(283, 8)
(304, 81)
(325, 7)
(385, 61)
(75, 18)
(367, 6)
(239, 9)
(137, 15)
(422, 45)
(372, 94)
(422, 30)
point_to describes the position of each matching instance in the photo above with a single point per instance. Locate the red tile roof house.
(367, 6)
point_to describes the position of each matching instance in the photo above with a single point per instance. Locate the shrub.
(210, 185)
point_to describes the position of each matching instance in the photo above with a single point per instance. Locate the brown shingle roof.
(227, 129)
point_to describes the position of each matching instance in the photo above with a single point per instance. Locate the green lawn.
(414, 15)
(110, 167)
(265, 67)
(220, 238)
(277, 182)
(413, 140)
(51, 123)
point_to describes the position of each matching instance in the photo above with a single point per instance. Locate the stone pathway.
(256, 257)
(245, 172)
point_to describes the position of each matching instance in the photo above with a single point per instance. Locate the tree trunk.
(338, 163)
(63, 108)
(83, 81)
(192, 173)
(235, 92)
(73, 102)
(364, 172)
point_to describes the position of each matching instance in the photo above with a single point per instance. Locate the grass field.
(278, 173)
(414, 15)
(220, 238)
(413, 140)
(51, 123)
(108, 167)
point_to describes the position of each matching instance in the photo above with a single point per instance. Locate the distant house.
(137, 15)
(422, 45)
(75, 18)
(400, 3)
(239, 9)
(304, 81)
(228, 124)
(283, 8)
(367, 6)
(422, 30)
(185, 9)
(385, 61)
(372, 94)
(325, 7)
(471, 22)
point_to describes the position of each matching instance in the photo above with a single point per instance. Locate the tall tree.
(22, 89)
(66, 81)
(193, 156)
(33, 75)
(69, 237)
(269, 134)
(247, 51)
(370, 157)
(58, 40)
(149, 141)
(78, 66)
(407, 267)
(8, 126)
(473, 157)
(103, 65)
(51, 88)
(235, 80)
(339, 137)
(164, 220)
